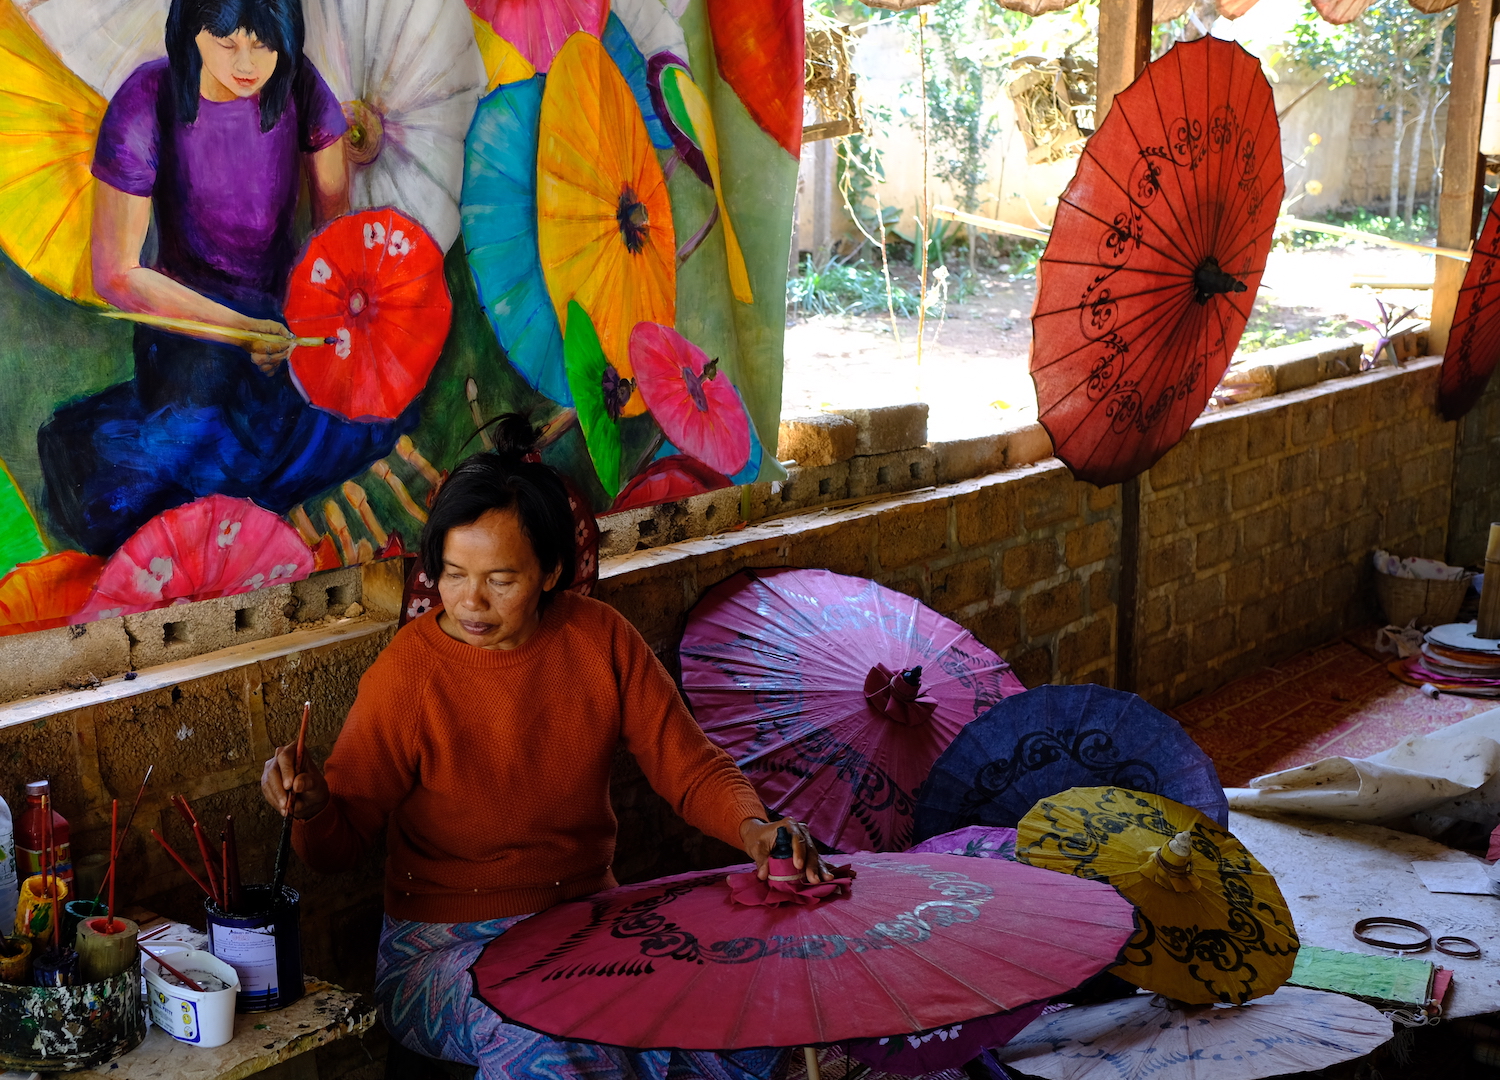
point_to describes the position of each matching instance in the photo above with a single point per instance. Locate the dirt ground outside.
(973, 370)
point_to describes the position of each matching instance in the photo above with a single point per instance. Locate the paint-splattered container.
(67, 1028)
(265, 949)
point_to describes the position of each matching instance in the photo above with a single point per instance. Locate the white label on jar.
(251, 951)
(177, 1016)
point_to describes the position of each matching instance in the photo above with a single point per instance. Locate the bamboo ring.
(1473, 951)
(1362, 928)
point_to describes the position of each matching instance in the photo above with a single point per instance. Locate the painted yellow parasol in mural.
(1212, 924)
(49, 119)
(604, 222)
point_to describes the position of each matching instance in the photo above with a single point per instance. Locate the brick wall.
(1257, 528)
(1476, 479)
(1366, 173)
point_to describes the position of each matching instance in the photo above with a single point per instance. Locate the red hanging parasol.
(373, 283)
(921, 941)
(1474, 341)
(216, 546)
(1156, 254)
(835, 695)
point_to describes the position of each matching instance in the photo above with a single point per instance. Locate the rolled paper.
(105, 948)
(34, 909)
(15, 961)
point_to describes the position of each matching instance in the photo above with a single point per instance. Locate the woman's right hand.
(280, 776)
(267, 355)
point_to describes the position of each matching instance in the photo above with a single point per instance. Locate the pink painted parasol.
(698, 408)
(538, 28)
(835, 695)
(920, 941)
(216, 546)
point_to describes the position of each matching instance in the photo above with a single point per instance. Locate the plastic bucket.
(265, 949)
(203, 1019)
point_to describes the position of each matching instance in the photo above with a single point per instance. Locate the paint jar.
(55, 967)
(66, 1028)
(31, 831)
(76, 911)
(34, 912)
(203, 1019)
(265, 949)
(15, 961)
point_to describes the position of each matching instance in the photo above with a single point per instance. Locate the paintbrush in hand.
(284, 849)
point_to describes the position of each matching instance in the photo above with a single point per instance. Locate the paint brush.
(189, 983)
(49, 855)
(233, 333)
(115, 848)
(284, 849)
(180, 861)
(231, 865)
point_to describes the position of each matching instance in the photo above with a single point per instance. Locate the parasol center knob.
(358, 301)
(366, 132)
(1210, 279)
(633, 219)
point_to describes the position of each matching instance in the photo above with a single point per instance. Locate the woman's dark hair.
(502, 479)
(278, 25)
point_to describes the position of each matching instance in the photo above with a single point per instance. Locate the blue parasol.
(1033, 745)
(498, 210)
(627, 57)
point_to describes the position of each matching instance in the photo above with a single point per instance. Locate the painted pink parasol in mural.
(918, 941)
(668, 479)
(698, 408)
(215, 546)
(835, 695)
(372, 284)
(538, 28)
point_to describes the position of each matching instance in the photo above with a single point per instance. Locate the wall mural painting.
(269, 266)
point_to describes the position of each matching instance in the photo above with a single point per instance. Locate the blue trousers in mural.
(198, 419)
(426, 999)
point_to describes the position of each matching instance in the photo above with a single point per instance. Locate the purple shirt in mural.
(224, 192)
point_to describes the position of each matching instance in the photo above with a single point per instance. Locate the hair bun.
(513, 435)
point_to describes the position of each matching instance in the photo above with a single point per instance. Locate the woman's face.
(236, 66)
(492, 582)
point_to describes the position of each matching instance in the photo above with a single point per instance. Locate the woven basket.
(1430, 603)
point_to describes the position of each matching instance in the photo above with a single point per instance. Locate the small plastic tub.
(203, 1019)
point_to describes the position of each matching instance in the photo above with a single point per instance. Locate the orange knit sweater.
(488, 770)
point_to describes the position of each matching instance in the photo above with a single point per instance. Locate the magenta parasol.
(835, 695)
(920, 941)
(698, 408)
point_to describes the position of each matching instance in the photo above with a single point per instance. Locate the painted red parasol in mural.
(371, 284)
(1156, 254)
(835, 695)
(918, 941)
(1474, 342)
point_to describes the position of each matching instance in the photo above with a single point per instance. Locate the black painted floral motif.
(1092, 748)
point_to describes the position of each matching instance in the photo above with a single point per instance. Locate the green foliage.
(943, 236)
(837, 289)
(1266, 331)
(1388, 47)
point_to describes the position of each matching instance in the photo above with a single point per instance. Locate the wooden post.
(1489, 596)
(1463, 167)
(1124, 49)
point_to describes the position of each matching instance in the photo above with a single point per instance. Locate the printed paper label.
(251, 951)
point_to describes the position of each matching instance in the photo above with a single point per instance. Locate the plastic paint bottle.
(9, 879)
(29, 835)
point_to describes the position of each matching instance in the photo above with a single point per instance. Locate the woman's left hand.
(759, 837)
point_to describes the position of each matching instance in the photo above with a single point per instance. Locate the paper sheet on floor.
(1453, 876)
(1454, 772)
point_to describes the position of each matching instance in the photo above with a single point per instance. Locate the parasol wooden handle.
(234, 333)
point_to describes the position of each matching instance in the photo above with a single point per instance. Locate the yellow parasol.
(49, 119)
(503, 62)
(604, 222)
(1213, 924)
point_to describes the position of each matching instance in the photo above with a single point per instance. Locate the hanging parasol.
(920, 941)
(1474, 342)
(20, 536)
(689, 115)
(975, 841)
(1155, 257)
(759, 49)
(627, 56)
(651, 26)
(503, 62)
(599, 394)
(668, 479)
(47, 592)
(1291, 1031)
(1213, 924)
(604, 221)
(500, 235)
(539, 28)
(373, 282)
(215, 546)
(409, 74)
(697, 406)
(834, 695)
(50, 121)
(1047, 740)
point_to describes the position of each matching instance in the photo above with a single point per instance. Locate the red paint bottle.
(30, 835)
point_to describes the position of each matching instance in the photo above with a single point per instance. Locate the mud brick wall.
(1476, 480)
(1257, 529)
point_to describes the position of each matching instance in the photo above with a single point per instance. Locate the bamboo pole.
(1458, 254)
(1489, 597)
(989, 224)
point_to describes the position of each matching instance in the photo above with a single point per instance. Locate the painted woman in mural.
(210, 144)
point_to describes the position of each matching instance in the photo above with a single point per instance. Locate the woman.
(210, 143)
(480, 746)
